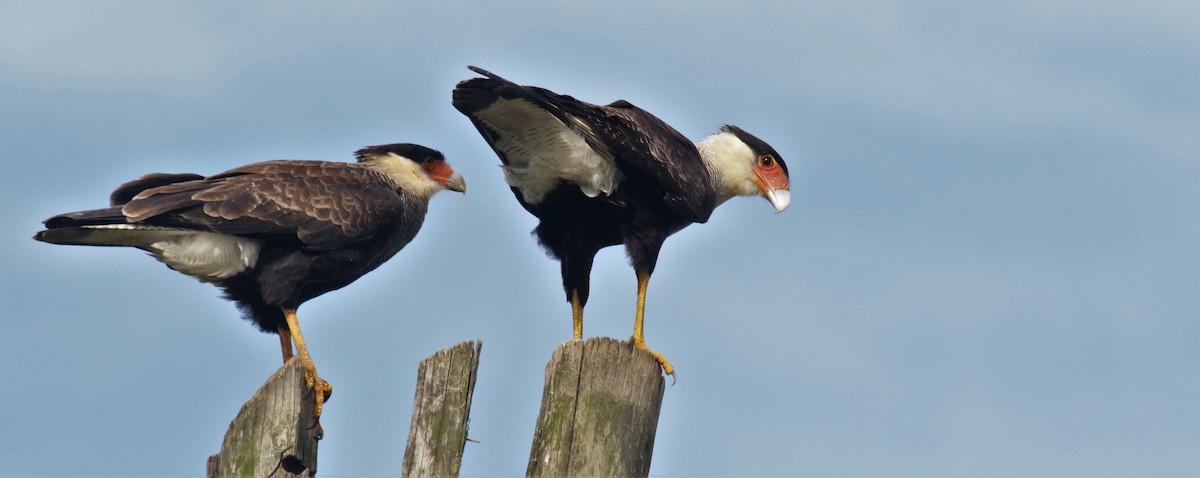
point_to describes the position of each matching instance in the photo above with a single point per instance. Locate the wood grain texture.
(273, 433)
(441, 411)
(599, 413)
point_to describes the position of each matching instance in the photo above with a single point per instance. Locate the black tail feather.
(478, 93)
(93, 217)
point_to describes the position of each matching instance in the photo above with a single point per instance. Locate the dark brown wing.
(655, 157)
(325, 205)
(127, 191)
(650, 151)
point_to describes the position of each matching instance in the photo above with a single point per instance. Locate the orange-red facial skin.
(439, 171)
(769, 175)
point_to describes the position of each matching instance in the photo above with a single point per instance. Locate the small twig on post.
(274, 433)
(441, 411)
(600, 408)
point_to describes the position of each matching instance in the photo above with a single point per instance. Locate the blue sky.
(991, 264)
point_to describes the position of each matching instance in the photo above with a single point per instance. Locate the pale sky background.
(991, 264)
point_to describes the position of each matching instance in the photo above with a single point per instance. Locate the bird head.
(744, 165)
(413, 166)
(443, 174)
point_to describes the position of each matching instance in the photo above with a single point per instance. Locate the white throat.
(731, 162)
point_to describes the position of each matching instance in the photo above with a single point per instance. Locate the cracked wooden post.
(600, 408)
(274, 432)
(441, 411)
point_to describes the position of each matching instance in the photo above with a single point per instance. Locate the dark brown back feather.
(323, 204)
(125, 192)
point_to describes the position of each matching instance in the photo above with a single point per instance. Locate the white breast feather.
(542, 151)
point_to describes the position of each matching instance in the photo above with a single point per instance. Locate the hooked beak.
(456, 183)
(773, 184)
(779, 198)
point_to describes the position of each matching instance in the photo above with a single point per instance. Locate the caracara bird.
(597, 176)
(274, 234)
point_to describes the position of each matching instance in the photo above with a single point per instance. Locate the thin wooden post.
(441, 411)
(599, 412)
(274, 432)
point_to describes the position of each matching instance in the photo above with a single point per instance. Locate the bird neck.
(729, 162)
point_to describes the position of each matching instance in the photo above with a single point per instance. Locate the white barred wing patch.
(207, 256)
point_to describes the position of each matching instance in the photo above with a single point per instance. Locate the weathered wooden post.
(274, 433)
(599, 412)
(441, 411)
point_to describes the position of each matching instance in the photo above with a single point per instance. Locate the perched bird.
(597, 176)
(274, 234)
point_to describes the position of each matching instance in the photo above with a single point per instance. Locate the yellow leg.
(577, 314)
(639, 339)
(285, 343)
(321, 388)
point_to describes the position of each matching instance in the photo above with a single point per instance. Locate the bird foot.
(321, 391)
(662, 361)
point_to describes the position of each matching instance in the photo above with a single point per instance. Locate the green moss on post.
(441, 411)
(600, 408)
(273, 433)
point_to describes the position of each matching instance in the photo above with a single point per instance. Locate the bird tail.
(100, 227)
(475, 94)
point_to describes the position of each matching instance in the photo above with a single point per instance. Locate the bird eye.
(766, 160)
